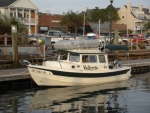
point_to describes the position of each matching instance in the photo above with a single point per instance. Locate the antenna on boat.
(44, 46)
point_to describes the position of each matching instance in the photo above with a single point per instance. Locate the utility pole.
(84, 24)
(99, 27)
(111, 1)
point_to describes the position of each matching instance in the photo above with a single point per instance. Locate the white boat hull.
(46, 77)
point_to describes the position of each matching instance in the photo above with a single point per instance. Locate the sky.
(63, 6)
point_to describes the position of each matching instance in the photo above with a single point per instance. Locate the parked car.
(73, 35)
(133, 38)
(57, 35)
(33, 38)
(147, 37)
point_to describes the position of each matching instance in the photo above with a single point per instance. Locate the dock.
(14, 74)
(138, 66)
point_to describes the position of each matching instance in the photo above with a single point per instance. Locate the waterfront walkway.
(14, 74)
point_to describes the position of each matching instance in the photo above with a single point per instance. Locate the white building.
(24, 10)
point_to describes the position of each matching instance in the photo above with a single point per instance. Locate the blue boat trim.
(85, 75)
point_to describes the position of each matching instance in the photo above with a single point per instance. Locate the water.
(132, 96)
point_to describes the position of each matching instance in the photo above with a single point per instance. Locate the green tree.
(6, 22)
(110, 10)
(103, 14)
(74, 19)
(125, 31)
(96, 14)
(147, 27)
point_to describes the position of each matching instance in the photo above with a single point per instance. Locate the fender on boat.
(75, 44)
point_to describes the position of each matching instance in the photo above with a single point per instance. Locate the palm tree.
(5, 26)
(6, 22)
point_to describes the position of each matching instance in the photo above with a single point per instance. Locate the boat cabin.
(80, 60)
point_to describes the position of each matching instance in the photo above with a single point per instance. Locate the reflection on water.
(131, 96)
(97, 98)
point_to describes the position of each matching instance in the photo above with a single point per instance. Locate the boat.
(79, 62)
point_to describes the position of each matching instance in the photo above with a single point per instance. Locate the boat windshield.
(63, 56)
(74, 57)
(102, 59)
(89, 58)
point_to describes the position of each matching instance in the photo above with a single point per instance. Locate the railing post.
(5, 44)
(137, 46)
(14, 45)
(37, 45)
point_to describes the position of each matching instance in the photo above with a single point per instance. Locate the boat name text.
(40, 71)
(90, 68)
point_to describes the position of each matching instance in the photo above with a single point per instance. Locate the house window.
(122, 16)
(11, 14)
(24, 15)
(14, 14)
(141, 16)
(19, 15)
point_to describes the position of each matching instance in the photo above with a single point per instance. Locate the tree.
(6, 22)
(74, 19)
(110, 10)
(125, 31)
(103, 14)
(97, 14)
(147, 27)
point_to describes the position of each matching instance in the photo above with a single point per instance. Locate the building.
(134, 17)
(105, 28)
(49, 21)
(24, 10)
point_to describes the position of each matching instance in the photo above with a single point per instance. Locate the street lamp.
(111, 1)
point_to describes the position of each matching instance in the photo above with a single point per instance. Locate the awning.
(112, 47)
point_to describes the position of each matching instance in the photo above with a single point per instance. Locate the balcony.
(139, 28)
(29, 21)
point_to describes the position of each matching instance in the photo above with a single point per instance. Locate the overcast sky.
(60, 6)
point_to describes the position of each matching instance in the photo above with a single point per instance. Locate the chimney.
(140, 7)
(129, 6)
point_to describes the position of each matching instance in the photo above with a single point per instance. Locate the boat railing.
(52, 56)
(33, 56)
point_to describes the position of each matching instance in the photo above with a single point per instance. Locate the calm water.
(132, 96)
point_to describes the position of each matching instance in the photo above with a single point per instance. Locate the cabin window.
(74, 57)
(102, 59)
(63, 56)
(89, 59)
